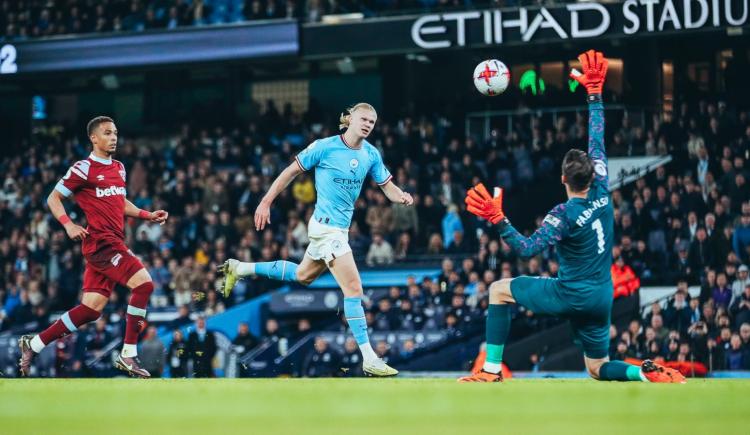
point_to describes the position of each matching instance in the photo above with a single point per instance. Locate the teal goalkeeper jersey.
(582, 229)
(340, 172)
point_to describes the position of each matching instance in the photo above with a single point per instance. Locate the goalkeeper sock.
(619, 371)
(355, 317)
(497, 329)
(280, 270)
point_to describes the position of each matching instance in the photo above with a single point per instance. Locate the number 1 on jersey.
(597, 226)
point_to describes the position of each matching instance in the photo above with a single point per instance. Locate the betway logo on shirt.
(110, 191)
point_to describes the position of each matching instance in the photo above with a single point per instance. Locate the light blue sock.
(355, 316)
(280, 270)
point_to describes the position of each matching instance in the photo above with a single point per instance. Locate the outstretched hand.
(594, 66)
(480, 203)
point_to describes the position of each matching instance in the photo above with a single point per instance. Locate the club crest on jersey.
(122, 174)
(354, 163)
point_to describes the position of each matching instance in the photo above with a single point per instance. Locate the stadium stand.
(25, 19)
(685, 224)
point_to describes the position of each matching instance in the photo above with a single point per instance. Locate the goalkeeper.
(582, 230)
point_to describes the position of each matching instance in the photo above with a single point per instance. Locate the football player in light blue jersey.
(341, 164)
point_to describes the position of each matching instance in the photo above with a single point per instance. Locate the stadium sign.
(523, 25)
(567, 22)
(190, 45)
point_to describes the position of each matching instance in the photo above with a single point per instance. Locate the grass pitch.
(370, 406)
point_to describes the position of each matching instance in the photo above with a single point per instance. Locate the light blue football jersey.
(340, 172)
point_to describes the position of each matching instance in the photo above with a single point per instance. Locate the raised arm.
(594, 66)
(554, 228)
(597, 151)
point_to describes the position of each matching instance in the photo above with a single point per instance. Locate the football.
(491, 77)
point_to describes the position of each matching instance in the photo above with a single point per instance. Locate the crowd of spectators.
(689, 220)
(692, 330)
(23, 19)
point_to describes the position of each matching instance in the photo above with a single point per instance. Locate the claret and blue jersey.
(340, 171)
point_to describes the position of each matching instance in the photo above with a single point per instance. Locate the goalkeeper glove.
(594, 67)
(480, 203)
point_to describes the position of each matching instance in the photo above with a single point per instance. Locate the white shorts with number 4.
(326, 242)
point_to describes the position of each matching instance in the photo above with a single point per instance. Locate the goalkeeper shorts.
(326, 242)
(588, 307)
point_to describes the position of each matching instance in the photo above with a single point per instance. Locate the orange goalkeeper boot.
(482, 376)
(657, 373)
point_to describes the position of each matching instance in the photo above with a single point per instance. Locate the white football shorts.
(326, 242)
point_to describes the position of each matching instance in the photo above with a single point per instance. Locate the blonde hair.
(346, 116)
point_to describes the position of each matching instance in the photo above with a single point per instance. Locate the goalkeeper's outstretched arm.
(594, 66)
(597, 152)
(553, 229)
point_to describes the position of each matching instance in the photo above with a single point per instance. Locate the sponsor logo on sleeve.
(552, 220)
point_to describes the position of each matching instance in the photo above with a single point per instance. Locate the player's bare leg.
(344, 270)
(141, 288)
(234, 270)
(497, 329)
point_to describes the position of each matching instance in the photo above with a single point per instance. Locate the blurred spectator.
(379, 215)
(178, 356)
(380, 253)
(323, 362)
(244, 341)
(152, 352)
(624, 279)
(451, 225)
(722, 294)
(677, 315)
(201, 346)
(736, 357)
(741, 238)
(742, 281)
(351, 361)
(657, 325)
(745, 335)
(383, 350)
(740, 309)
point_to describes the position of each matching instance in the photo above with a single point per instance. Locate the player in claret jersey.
(98, 184)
